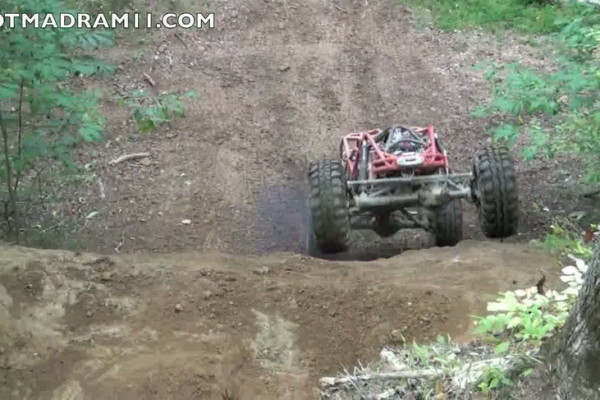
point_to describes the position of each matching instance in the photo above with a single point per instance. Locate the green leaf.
(479, 112)
(502, 347)
(9, 91)
(146, 125)
(505, 132)
(529, 153)
(494, 383)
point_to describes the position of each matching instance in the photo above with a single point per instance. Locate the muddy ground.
(280, 83)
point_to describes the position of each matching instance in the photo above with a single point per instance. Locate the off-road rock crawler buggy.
(398, 178)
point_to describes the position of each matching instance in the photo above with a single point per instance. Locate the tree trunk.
(578, 359)
(12, 196)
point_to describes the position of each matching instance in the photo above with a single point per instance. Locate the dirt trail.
(280, 83)
(191, 326)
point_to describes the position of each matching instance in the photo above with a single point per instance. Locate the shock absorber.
(363, 171)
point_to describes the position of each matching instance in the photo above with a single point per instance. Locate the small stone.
(146, 161)
(261, 271)
(284, 68)
(281, 25)
(178, 307)
(207, 295)
(106, 276)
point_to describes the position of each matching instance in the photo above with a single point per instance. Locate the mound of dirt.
(193, 326)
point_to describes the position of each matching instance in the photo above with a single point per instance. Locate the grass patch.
(526, 16)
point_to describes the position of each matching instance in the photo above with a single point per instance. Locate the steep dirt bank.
(280, 83)
(190, 326)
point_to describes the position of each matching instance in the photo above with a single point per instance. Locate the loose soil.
(280, 83)
(195, 326)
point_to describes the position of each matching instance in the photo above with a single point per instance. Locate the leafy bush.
(557, 111)
(40, 118)
(530, 16)
(565, 240)
(151, 111)
(522, 318)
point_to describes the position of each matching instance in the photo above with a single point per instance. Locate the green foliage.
(525, 317)
(150, 111)
(563, 241)
(518, 322)
(566, 100)
(494, 378)
(41, 118)
(524, 15)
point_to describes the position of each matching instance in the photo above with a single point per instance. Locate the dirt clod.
(106, 276)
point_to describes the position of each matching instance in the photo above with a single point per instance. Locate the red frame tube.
(382, 162)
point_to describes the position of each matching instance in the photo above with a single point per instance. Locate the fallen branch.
(54, 226)
(422, 373)
(178, 36)
(127, 157)
(149, 79)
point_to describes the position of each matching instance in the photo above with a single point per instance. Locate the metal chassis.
(426, 191)
(378, 209)
(371, 195)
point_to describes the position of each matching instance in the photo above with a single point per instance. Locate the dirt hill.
(280, 83)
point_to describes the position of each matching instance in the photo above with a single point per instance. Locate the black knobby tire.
(448, 223)
(328, 205)
(496, 189)
(311, 243)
